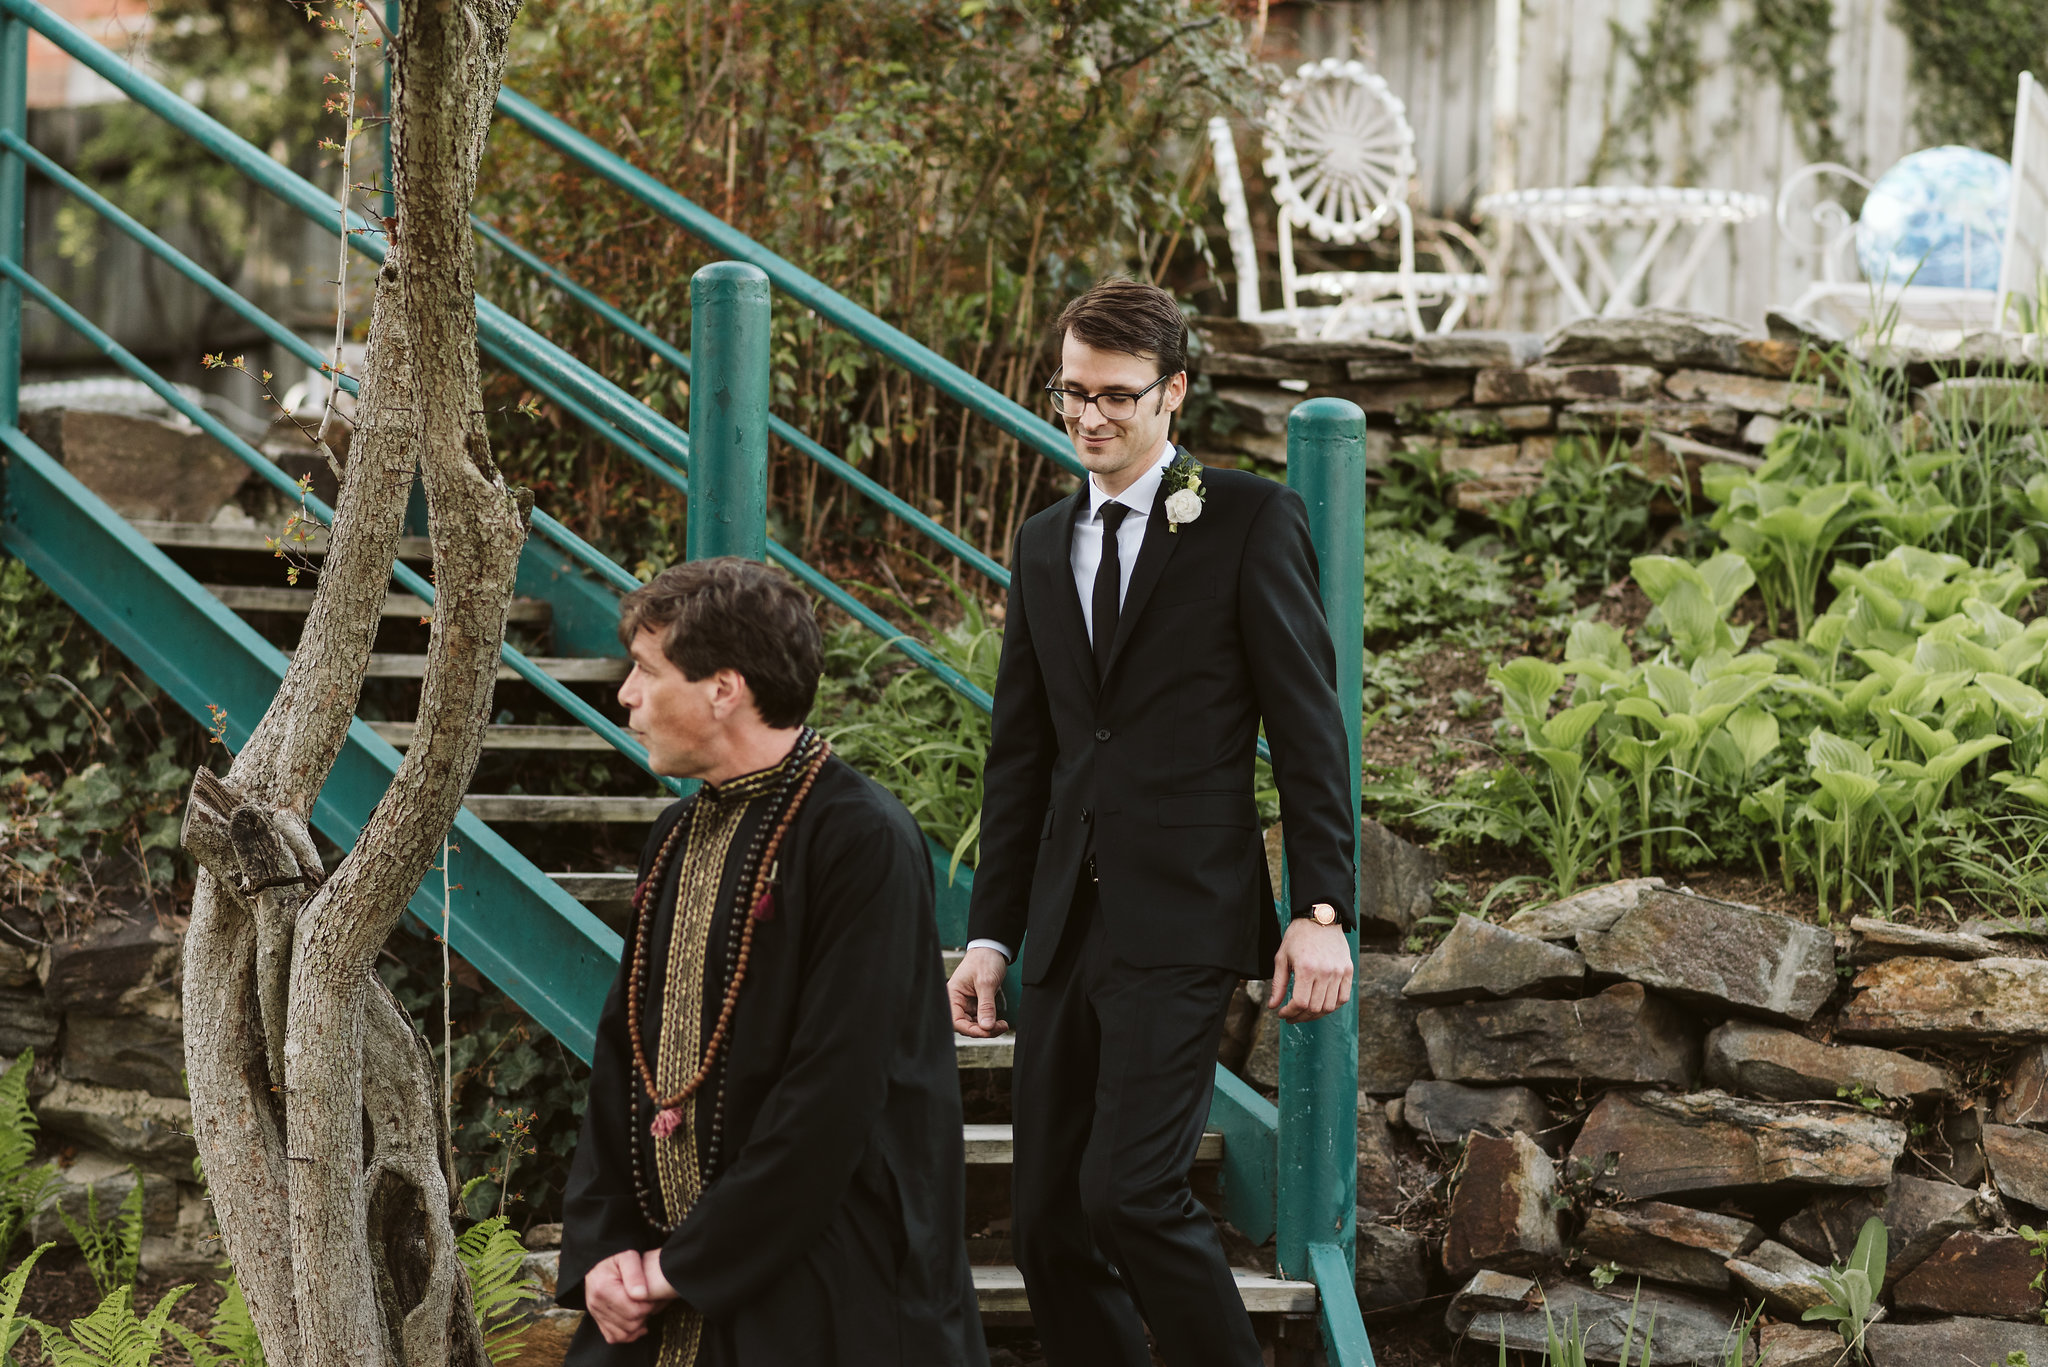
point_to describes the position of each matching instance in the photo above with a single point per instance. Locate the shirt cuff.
(997, 945)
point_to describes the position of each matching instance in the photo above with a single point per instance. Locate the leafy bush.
(959, 168)
(509, 1075)
(1862, 750)
(113, 1335)
(898, 724)
(1413, 584)
(94, 761)
(1591, 512)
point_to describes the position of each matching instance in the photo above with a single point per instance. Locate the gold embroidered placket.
(677, 1167)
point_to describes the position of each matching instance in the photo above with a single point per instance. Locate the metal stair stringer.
(543, 948)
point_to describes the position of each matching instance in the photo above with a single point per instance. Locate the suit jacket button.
(1086, 816)
(1103, 734)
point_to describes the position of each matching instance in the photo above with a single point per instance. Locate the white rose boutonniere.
(1184, 491)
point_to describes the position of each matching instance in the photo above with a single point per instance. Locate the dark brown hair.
(1130, 316)
(729, 613)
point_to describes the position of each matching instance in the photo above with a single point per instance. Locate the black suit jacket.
(1222, 627)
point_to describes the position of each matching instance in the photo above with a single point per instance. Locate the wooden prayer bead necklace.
(754, 906)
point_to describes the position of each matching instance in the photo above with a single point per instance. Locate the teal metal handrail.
(406, 577)
(801, 442)
(277, 332)
(802, 287)
(520, 349)
(547, 368)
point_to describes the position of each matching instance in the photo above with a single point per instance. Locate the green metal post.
(729, 411)
(1319, 1061)
(13, 208)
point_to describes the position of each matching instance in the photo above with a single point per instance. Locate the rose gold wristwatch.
(1324, 914)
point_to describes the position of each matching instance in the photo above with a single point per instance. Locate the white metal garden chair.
(1341, 155)
(1839, 297)
(2023, 273)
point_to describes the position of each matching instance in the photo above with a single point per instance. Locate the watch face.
(1325, 916)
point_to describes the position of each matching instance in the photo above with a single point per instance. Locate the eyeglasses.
(1114, 405)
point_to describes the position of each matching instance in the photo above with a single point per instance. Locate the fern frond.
(113, 1249)
(492, 1255)
(233, 1333)
(21, 1186)
(13, 1325)
(113, 1335)
(128, 1234)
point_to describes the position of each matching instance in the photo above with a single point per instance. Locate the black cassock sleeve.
(786, 1184)
(600, 1212)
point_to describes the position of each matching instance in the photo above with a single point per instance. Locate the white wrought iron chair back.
(1340, 151)
(2022, 291)
(1340, 155)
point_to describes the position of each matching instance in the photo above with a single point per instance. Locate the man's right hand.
(973, 993)
(616, 1294)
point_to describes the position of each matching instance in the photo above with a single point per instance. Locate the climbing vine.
(1788, 40)
(1668, 66)
(1967, 60)
(1785, 41)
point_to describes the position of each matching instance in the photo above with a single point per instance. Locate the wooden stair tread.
(597, 887)
(594, 669)
(992, 1144)
(547, 807)
(205, 536)
(400, 734)
(1001, 1290)
(999, 1052)
(271, 598)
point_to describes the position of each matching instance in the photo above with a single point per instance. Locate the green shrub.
(1415, 585)
(94, 760)
(1591, 513)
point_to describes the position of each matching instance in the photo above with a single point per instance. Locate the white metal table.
(1581, 212)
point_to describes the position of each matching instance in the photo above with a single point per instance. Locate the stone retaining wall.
(1675, 390)
(1703, 1095)
(101, 1011)
(1710, 1098)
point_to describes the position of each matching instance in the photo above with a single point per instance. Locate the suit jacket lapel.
(1069, 628)
(1153, 553)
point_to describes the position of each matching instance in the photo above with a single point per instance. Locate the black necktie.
(1109, 582)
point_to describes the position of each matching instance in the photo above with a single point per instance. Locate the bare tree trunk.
(313, 1100)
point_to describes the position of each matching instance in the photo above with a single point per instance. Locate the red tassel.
(764, 910)
(665, 1123)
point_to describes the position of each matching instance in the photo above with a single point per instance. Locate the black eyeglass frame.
(1055, 391)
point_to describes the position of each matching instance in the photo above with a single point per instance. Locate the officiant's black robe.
(831, 1231)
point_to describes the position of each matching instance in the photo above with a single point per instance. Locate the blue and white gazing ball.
(1941, 212)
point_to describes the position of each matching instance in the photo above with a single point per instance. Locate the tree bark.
(313, 1100)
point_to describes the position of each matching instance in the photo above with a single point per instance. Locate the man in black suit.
(1156, 618)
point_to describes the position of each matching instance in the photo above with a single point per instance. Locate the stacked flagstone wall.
(1638, 1087)
(1675, 390)
(100, 1008)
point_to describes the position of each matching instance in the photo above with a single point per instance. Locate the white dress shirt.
(1086, 557)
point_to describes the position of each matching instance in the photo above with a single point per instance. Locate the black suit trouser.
(1110, 1095)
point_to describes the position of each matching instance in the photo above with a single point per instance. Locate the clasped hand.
(624, 1292)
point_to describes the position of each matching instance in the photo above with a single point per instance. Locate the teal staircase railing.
(1288, 1169)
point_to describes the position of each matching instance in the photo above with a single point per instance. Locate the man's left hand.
(658, 1290)
(1318, 958)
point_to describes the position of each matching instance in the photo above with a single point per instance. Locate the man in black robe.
(771, 1167)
